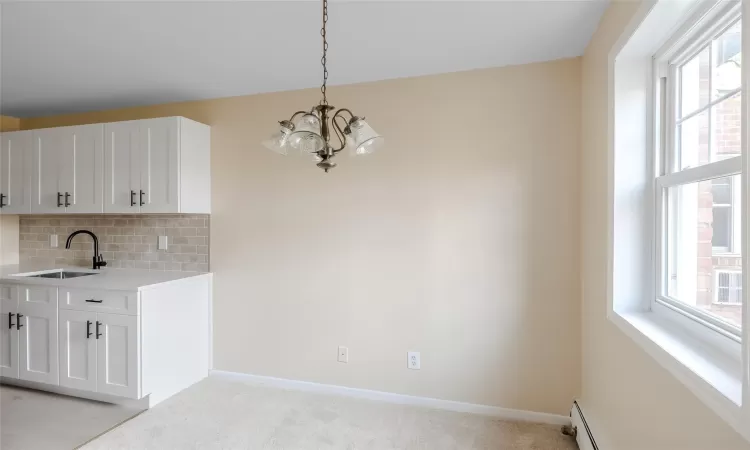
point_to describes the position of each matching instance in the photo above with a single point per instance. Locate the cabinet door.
(117, 355)
(15, 172)
(45, 179)
(122, 167)
(78, 350)
(160, 164)
(82, 163)
(8, 333)
(37, 342)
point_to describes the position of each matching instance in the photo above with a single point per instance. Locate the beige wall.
(458, 240)
(639, 404)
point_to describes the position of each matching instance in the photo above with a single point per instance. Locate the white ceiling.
(70, 57)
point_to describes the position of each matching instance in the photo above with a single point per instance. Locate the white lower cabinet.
(135, 347)
(78, 350)
(117, 355)
(29, 336)
(99, 352)
(8, 333)
(37, 342)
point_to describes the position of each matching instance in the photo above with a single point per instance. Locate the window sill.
(711, 375)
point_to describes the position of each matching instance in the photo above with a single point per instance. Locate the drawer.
(37, 295)
(8, 292)
(117, 302)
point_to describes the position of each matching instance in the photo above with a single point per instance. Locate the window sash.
(667, 160)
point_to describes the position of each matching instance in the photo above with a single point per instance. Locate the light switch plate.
(343, 354)
(53, 241)
(161, 244)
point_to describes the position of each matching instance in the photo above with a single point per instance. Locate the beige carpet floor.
(36, 420)
(222, 414)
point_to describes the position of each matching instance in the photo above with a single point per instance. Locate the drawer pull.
(91, 300)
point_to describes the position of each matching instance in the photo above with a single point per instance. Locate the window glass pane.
(694, 82)
(694, 141)
(704, 262)
(726, 131)
(702, 141)
(726, 64)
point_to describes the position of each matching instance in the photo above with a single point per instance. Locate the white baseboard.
(387, 397)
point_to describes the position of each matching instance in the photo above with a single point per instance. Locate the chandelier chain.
(324, 59)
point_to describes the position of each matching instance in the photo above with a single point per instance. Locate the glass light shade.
(306, 136)
(362, 139)
(278, 142)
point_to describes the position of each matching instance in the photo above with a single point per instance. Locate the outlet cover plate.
(413, 360)
(343, 354)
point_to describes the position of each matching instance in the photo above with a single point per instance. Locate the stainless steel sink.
(61, 274)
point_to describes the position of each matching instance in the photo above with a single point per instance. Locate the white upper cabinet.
(122, 167)
(140, 166)
(157, 166)
(15, 172)
(82, 174)
(67, 173)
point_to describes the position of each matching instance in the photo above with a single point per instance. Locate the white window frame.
(692, 38)
(736, 222)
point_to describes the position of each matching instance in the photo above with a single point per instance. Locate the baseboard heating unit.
(579, 429)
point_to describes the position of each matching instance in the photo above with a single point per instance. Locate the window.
(699, 176)
(728, 287)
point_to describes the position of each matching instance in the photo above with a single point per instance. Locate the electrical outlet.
(343, 354)
(162, 243)
(53, 241)
(413, 361)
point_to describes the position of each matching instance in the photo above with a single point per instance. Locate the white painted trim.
(634, 325)
(388, 397)
(726, 167)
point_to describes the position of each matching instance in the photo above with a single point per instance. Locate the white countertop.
(117, 279)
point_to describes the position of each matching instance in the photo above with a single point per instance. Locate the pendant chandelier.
(309, 132)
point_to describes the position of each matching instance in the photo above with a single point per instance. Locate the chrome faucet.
(98, 259)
